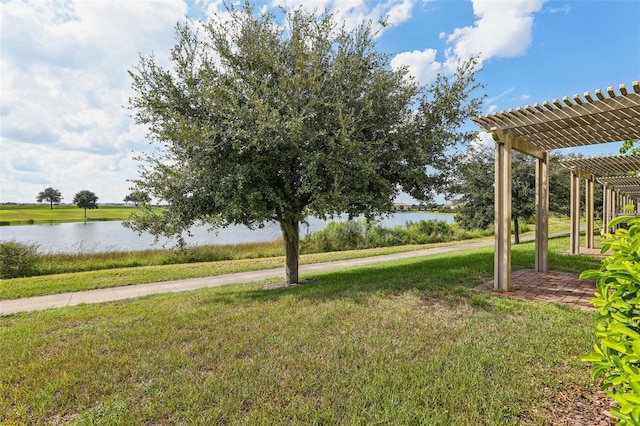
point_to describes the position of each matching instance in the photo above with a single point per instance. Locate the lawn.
(33, 214)
(405, 342)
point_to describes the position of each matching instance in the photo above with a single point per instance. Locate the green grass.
(34, 214)
(108, 271)
(405, 342)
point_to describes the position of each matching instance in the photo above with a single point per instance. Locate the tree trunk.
(85, 212)
(51, 204)
(516, 230)
(291, 236)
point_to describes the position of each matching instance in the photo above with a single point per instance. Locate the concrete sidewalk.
(39, 303)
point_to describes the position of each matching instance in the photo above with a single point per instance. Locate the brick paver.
(553, 286)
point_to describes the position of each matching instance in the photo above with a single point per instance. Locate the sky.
(64, 83)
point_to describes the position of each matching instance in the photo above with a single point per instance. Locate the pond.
(95, 237)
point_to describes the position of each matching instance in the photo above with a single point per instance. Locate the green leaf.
(590, 274)
(620, 219)
(592, 357)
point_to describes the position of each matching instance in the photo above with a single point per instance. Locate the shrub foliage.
(17, 259)
(617, 355)
(360, 234)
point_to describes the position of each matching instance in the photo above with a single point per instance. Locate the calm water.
(92, 237)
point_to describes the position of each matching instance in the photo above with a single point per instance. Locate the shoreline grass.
(403, 342)
(122, 276)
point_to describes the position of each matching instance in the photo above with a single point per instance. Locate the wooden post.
(502, 255)
(589, 193)
(611, 206)
(575, 213)
(542, 213)
(605, 209)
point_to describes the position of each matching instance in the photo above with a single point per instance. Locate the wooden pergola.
(535, 130)
(620, 189)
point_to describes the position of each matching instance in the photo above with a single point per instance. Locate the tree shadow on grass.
(438, 277)
(449, 278)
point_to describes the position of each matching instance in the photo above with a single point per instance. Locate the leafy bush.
(17, 259)
(617, 355)
(351, 235)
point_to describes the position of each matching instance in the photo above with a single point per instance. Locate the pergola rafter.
(619, 190)
(569, 124)
(604, 165)
(608, 116)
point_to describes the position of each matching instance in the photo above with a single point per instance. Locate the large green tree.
(86, 199)
(50, 195)
(260, 120)
(475, 184)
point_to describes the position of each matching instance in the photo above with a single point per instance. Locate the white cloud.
(354, 12)
(64, 87)
(503, 29)
(564, 9)
(422, 65)
(399, 13)
(65, 84)
(483, 139)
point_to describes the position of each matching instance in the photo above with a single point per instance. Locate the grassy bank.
(40, 214)
(405, 342)
(106, 270)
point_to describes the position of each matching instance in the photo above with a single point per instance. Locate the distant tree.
(523, 191)
(560, 187)
(630, 147)
(263, 122)
(476, 185)
(137, 198)
(86, 200)
(51, 195)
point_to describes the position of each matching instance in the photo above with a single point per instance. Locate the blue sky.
(64, 81)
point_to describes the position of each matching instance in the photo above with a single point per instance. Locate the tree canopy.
(256, 121)
(86, 200)
(51, 195)
(137, 198)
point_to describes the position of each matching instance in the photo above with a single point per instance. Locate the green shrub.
(18, 259)
(337, 236)
(617, 355)
(352, 235)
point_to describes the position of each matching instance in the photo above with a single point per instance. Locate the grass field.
(405, 342)
(103, 270)
(33, 214)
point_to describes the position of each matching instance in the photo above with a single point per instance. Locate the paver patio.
(555, 287)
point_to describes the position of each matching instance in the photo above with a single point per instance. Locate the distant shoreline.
(30, 214)
(42, 214)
